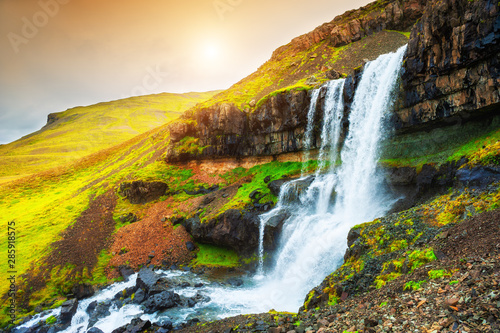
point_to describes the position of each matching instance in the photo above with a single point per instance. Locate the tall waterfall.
(313, 239)
(318, 210)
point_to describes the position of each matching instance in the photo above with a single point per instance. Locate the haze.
(57, 54)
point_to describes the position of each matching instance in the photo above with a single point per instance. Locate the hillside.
(81, 131)
(186, 198)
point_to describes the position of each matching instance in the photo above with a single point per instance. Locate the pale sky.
(58, 54)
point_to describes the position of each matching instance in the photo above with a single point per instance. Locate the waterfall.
(318, 211)
(313, 239)
(308, 135)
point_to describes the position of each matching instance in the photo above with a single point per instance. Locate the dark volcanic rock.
(139, 192)
(451, 65)
(161, 301)
(235, 229)
(147, 279)
(82, 290)
(100, 311)
(68, 310)
(125, 271)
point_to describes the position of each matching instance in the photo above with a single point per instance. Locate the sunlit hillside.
(81, 131)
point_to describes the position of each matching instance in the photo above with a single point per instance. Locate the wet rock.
(147, 279)
(235, 282)
(125, 271)
(68, 310)
(140, 192)
(101, 311)
(91, 307)
(190, 246)
(82, 290)
(139, 296)
(137, 325)
(478, 176)
(94, 330)
(161, 301)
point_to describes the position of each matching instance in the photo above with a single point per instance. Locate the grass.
(215, 256)
(81, 131)
(275, 170)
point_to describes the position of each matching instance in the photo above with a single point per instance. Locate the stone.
(68, 310)
(147, 279)
(82, 290)
(453, 301)
(140, 192)
(101, 311)
(128, 218)
(161, 301)
(139, 296)
(94, 330)
(125, 271)
(235, 282)
(190, 246)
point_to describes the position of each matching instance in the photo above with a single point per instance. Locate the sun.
(210, 52)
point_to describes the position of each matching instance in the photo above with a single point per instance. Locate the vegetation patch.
(215, 256)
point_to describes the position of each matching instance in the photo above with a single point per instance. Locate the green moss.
(438, 274)
(419, 258)
(215, 256)
(51, 320)
(413, 285)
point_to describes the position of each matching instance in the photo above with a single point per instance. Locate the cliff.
(452, 63)
(450, 70)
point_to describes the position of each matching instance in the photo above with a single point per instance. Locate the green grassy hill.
(81, 131)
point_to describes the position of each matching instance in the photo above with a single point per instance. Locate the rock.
(353, 235)
(140, 192)
(253, 195)
(101, 311)
(125, 271)
(91, 307)
(68, 310)
(128, 218)
(147, 279)
(252, 103)
(451, 301)
(82, 290)
(333, 74)
(137, 325)
(139, 296)
(161, 301)
(235, 282)
(190, 246)
(235, 229)
(311, 81)
(267, 179)
(94, 330)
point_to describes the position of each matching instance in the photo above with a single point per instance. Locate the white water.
(313, 239)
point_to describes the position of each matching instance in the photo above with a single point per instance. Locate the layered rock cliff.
(452, 65)
(451, 69)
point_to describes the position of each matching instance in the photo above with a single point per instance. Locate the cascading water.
(320, 209)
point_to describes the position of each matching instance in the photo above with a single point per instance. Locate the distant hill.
(81, 131)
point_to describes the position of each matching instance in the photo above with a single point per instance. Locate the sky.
(58, 54)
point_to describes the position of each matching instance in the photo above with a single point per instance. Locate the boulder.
(82, 290)
(147, 279)
(125, 271)
(101, 311)
(68, 310)
(140, 192)
(164, 300)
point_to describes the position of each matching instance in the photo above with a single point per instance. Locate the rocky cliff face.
(451, 72)
(452, 64)
(356, 24)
